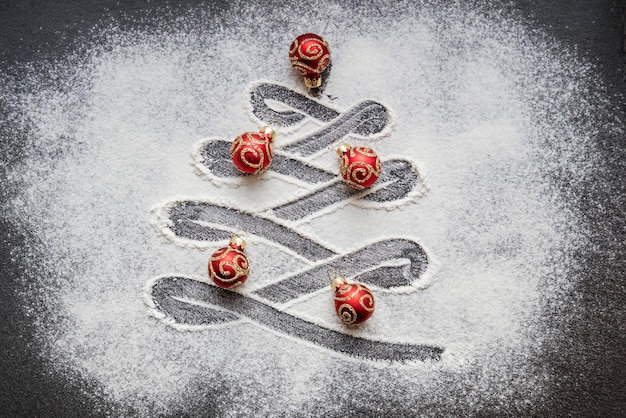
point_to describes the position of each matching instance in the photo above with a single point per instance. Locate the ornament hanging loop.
(332, 273)
(336, 279)
(241, 233)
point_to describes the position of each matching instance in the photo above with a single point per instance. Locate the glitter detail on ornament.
(252, 152)
(229, 266)
(354, 302)
(310, 55)
(360, 167)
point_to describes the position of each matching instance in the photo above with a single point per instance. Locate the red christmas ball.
(360, 167)
(354, 302)
(252, 152)
(310, 55)
(229, 266)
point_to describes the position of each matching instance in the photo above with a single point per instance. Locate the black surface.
(592, 378)
(590, 357)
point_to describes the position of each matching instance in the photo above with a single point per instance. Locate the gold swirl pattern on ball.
(347, 292)
(300, 68)
(344, 162)
(347, 314)
(360, 172)
(255, 146)
(368, 152)
(312, 53)
(304, 69)
(367, 302)
(238, 266)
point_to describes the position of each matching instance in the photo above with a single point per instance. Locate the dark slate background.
(591, 369)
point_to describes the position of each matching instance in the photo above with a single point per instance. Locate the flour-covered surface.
(494, 240)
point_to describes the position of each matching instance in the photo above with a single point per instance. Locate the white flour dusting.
(489, 111)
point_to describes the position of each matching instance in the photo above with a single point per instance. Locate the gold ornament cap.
(312, 83)
(238, 242)
(343, 148)
(268, 131)
(337, 282)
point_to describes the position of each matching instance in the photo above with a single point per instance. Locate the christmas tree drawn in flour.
(394, 265)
